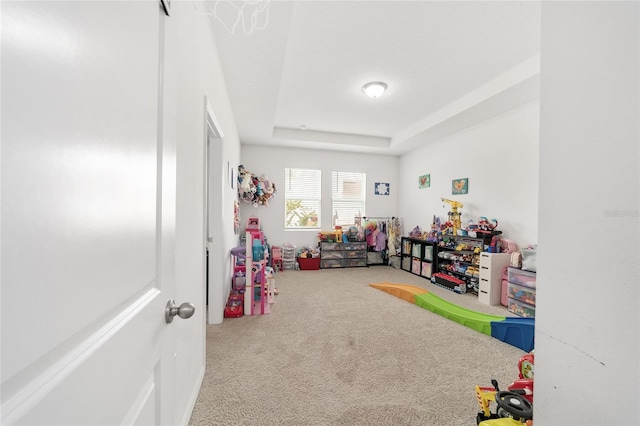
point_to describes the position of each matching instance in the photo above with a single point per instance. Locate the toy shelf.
(417, 256)
(258, 294)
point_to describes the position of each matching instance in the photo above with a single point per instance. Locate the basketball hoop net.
(250, 15)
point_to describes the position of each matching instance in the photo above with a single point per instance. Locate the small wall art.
(424, 181)
(382, 188)
(460, 186)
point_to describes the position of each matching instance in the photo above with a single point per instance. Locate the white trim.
(216, 247)
(212, 120)
(193, 398)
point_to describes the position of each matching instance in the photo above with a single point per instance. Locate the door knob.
(184, 311)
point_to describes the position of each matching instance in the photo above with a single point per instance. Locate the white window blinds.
(302, 195)
(348, 197)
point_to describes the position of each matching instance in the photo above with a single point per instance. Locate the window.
(348, 197)
(302, 199)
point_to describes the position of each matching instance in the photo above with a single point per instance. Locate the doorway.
(213, 238)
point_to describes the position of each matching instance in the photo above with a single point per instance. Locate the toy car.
(235, 306)
(515, 406)
(512, 408)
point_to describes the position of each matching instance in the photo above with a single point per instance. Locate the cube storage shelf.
(458, 257)
(417, 256)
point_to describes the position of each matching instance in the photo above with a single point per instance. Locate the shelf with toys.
(457, 261)
(259, 284)
(459, 256)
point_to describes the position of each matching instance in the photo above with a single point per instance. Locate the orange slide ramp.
(403, 291)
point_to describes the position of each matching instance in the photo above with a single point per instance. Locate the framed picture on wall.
(382, 188)
(460, 186)
(424, 181)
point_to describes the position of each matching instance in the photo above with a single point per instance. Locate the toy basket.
(309, 263)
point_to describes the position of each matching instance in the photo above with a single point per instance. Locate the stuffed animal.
(254, 190)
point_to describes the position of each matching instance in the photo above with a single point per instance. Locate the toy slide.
(475, 320)
(403, 291)
(516, 331)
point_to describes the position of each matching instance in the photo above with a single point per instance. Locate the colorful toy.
(239, 252)
(512, 409)
(484, 225)
(234, 308)
(514, 406)
(415, 232)
(236, 216)
(507, 246)
(454, 214)
(524, 384)
(434, 234)
(525, 366)
(253, 189)
(516, 331)
(276, 258)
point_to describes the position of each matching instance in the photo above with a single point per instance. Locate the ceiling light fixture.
(374, 89)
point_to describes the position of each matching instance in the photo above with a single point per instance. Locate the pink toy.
(240, 252)
(276, 258)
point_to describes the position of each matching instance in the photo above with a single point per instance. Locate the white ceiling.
(448, 65)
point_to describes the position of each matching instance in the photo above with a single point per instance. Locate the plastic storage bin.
(309, 263)
(428, 253)
(332, 254)
(355, 245)
(518, 276)
(289, 256)
(415, 266)
(426, 269)
(353, 262)
(522, 293)
(355, 254)
(521, 309)
(332, 246)
(331, 263)
(406, 263)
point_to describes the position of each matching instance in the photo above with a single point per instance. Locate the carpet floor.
(335, 351)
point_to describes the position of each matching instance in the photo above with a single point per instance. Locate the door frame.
(213, 193)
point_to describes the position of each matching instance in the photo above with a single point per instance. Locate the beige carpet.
(334, 351)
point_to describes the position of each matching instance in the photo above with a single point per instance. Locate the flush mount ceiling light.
(374, 89)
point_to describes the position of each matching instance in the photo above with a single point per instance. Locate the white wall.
(587, 317)
(197, 75)
(272, 161)
(500, 158)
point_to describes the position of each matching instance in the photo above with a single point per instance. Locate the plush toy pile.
(253, 189)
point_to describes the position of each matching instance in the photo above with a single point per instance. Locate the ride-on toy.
(512, 408)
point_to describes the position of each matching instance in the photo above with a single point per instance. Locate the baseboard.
(193, 398)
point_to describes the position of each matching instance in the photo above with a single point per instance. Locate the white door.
(86, 245)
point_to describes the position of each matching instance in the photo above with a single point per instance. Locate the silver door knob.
(184, 311)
